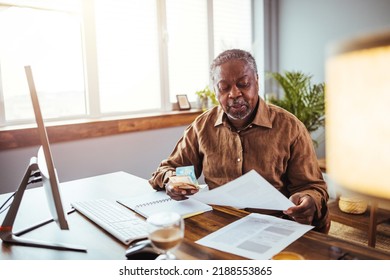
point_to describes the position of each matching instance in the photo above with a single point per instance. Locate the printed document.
(250, 190)
(255, 236)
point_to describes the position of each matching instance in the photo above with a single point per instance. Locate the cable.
(35, 177)
(8, 199)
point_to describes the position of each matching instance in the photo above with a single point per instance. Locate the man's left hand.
(304, 210)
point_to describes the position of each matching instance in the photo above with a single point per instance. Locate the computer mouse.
(141, 250)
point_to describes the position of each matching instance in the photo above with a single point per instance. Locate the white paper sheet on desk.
(255, 236)
(250, 190)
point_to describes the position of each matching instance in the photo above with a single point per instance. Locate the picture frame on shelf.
(182, 101)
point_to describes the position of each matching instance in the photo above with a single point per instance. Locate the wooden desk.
(102, 245)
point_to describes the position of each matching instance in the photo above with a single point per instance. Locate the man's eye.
(243, 85)
(223, 88)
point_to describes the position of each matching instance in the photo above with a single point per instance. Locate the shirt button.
(238, 159)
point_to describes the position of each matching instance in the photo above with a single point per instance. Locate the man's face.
(236, 86)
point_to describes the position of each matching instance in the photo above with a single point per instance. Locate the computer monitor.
(40, 168)
(45, 160)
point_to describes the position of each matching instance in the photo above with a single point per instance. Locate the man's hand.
(304, 210)
(180, 191)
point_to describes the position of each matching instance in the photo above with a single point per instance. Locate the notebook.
(158, 201)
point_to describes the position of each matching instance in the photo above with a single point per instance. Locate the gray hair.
(232, 54)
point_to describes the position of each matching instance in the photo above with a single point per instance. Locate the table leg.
(372, 224)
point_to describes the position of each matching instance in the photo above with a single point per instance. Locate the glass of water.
(166, 231)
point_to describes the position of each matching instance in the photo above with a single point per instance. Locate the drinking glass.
(166, 231)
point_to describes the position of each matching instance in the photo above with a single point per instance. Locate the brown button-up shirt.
(276, 144)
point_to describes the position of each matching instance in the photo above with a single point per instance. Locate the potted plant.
(301, 98)
(205, 95)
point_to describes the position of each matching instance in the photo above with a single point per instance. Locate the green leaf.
(208, 93)
(301, 98)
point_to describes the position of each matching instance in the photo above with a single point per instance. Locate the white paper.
(255, 236)
(158, 201)
(250, 190)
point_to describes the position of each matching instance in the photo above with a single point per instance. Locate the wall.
(138, 153)
(307, 27)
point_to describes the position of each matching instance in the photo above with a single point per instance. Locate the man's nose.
(234, 92)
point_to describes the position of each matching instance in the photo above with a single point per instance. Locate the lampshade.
(357, 114)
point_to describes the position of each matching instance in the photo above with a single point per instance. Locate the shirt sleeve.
(305, 176)
(185, 153)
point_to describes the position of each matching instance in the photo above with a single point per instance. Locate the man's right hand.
(180, 192)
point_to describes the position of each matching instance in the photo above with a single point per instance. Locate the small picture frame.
(182, 101)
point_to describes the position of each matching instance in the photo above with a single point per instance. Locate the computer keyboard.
(120, 222)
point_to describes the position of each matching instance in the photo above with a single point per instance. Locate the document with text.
(250, 190)
(255, 236)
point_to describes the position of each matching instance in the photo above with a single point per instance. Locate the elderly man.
(244, 133)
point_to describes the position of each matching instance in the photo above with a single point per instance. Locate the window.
(49, 41)
(187, 41)
(112, 57)
(127, 55)
(232, 25)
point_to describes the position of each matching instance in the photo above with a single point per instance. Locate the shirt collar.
(262, 118)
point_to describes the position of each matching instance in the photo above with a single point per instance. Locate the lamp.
(357, 113)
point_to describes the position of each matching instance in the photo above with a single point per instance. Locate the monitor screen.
(45, 160)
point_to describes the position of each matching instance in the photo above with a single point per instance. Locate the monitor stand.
(6, 233)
